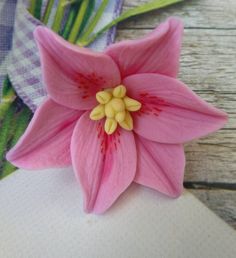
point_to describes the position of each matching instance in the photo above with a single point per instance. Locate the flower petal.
(73, 75)
(158, 52)
(104, 164)
(160, 166)
(46, 142)
(171, 112)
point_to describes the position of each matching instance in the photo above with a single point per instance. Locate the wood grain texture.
(207, 58)
(222, 202)
(208, 66)
(212, 159)
(210, 71)
(195, 13)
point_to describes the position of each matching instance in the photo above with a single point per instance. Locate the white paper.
(41, 216)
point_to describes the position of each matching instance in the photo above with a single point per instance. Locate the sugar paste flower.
(117, 117)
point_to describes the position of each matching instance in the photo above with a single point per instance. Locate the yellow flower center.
(115, 106)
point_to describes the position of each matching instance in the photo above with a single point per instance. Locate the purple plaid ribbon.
(7, 14)
(24, 64)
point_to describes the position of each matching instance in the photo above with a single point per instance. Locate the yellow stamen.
(97, 113)
(132, 104)
(109, 111)
(103, 97)
(117, 104)
(119, 91)
(116, 107)
(110, 125)
(127, 124)
(120, 116)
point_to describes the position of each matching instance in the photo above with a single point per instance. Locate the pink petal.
(104, 165)
(158, 52)
(171, 112)
(160, 166)
(46, 142)
(73, 75)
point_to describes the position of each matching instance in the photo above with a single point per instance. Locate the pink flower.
(142, 137)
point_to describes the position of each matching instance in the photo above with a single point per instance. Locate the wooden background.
(208, 66)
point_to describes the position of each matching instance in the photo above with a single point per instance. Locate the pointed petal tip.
(222, 120)
(157, 52)
(175, 19)
(186, 117)
(45, 36)
(87, 209)
(172, 23)
(39, 28)
(102, 181)
(92, 208)
(93, 212)
(39, 31)
(225, 118)
(31, 152)
(224, 115)
(11, 156)
(176, 193)
(176, 190)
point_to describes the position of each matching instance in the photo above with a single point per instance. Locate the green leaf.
(147, 7)
(13, 127)
(12, 124)
(71, 19)
(87, 15)
(47, 11)
(22, 120)
(35, 8)
(92, 24)
(7, 90)
(8, 96)
(7, 169)
(56, 26)
(76, 28)
(5, 128)
(84, 13)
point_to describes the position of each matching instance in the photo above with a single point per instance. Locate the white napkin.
(41, 216)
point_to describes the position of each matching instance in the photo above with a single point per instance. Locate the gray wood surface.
(222, 202)
(208, 66)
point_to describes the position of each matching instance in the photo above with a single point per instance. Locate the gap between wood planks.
(208, 50)
(209, 185)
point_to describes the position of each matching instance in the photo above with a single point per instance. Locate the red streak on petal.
(89, 84)
(108, 143)
(143, 94)
(151, 104)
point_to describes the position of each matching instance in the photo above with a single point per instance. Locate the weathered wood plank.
(195, 13)
(208, 67)
(207, 58)
(212, 159)
(222, 202)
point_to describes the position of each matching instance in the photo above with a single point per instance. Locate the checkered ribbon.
(24, 63)
(7, 14)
